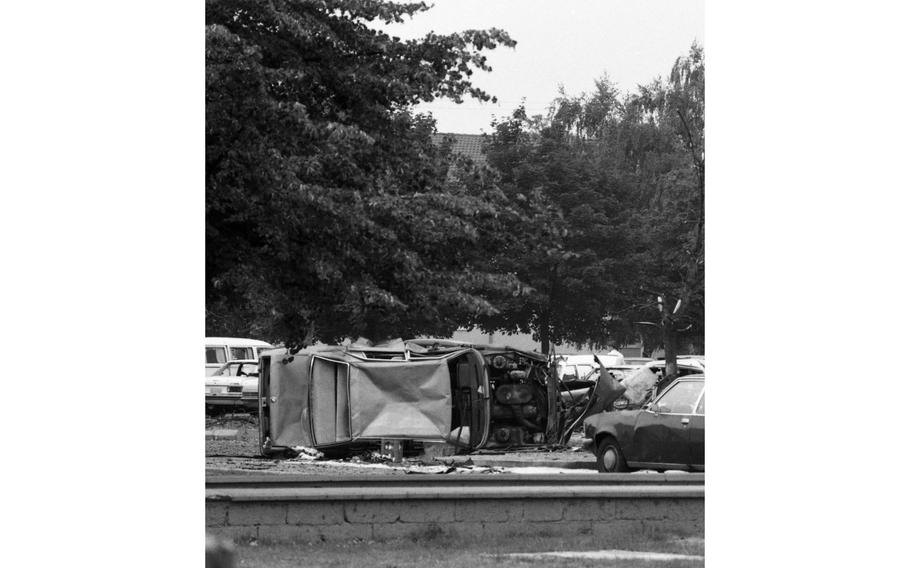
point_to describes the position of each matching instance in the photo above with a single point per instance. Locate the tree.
(328, 210)
(571, 256)
(665, 132)
(613, 187)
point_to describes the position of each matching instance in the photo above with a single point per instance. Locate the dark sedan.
(668, 433)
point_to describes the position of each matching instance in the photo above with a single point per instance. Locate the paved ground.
(434, 551)
(231, 446)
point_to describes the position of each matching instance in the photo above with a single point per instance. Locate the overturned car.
(422, 390)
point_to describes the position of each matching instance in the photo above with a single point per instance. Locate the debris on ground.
(306, 453)
(241, 453)
(421, 469)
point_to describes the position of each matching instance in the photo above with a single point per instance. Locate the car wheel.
(609, 456)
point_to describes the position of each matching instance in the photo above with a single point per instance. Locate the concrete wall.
(613, 518)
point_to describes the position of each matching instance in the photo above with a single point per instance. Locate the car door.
(329, 400)
(697, 436)
(661, 435)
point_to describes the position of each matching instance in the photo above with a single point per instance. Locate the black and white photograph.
(454, 286)
(457, 267)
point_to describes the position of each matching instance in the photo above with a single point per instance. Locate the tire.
(609, 456)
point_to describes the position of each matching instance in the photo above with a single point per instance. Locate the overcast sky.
(568, 42)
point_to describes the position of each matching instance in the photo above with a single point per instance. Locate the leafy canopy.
(611, 191)
(328, 210)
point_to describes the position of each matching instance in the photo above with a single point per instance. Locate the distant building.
(469, 145)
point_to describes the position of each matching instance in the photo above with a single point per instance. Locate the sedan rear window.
(248, 369)
(681, 398)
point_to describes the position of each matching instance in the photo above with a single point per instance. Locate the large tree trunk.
(544, 333)
(668, 331)
(669, 349)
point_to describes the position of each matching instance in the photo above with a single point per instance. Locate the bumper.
(587, 444)
(223, 401)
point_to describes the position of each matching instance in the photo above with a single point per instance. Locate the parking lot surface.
(231, 446)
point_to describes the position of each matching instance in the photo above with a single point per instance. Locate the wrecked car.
(420, 391)
(668, 433)
(643, 383)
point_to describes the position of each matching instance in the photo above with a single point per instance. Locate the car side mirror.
(660, 409)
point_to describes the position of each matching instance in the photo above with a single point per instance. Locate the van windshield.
(242, 353)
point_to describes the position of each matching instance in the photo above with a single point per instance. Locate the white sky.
(569, 42)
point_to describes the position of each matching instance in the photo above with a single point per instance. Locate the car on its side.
(417, 391)
(225, 387)
(668, 433)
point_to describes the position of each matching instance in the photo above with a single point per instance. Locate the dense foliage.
(329, 213)
(572, 253)
(613, 186)
(668, 118)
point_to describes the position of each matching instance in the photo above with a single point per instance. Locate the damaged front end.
(531, 406)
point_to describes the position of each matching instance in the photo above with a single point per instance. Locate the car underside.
(419, 391)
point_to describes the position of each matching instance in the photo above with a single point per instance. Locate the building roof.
(470, 145)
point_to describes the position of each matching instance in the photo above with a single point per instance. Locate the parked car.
(622, 371)
(579, 367)
(573, 368)
(249, 392)
(668, 433)
(426, 390)
(224, 388)
(649, 380)
(220, 350)
(691, 360)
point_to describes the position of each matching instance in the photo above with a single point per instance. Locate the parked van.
(577, 367)
(220, 350)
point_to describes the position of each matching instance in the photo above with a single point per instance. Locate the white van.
(220, 350)
(577, 367)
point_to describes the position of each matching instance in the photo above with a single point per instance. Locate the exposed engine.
(518, 407)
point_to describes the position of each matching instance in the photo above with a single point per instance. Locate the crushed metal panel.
(410, 401)
(289, 385)
(608, 389)
(640, 386)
